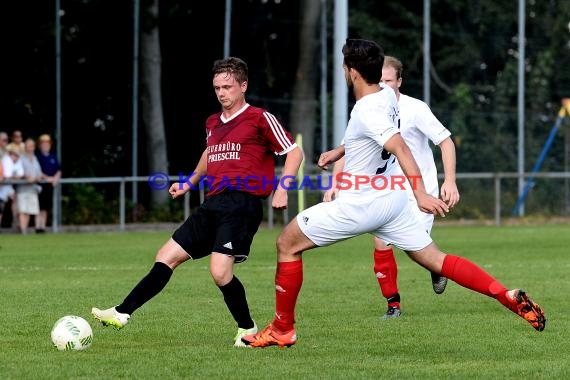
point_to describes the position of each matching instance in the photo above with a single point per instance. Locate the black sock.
(234, 296)
(147, 288)
(435, 277)
(394, 298)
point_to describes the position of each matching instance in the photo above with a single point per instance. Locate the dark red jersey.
(241, 151)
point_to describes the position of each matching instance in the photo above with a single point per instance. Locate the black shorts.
(225, 223)
(46, 196)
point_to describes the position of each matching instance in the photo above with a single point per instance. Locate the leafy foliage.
(474, 74)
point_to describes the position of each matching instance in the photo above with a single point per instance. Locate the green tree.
(151, 97)
(304, 105)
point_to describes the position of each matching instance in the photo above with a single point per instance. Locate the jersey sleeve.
(280, 140)
(429, 125)
(381, 123)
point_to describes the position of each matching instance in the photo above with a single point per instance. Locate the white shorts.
(425, 218)
(389, 217)
(28, 203)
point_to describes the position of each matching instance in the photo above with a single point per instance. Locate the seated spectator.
(52, 173)
(27, 195)
(2, 197)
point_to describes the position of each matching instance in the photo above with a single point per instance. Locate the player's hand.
(328, 158)
(449, 193)
(279, 200)
(177, 189)
(330, 194)
(432, 205)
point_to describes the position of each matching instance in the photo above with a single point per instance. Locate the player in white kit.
(418, 126)
(372, 144)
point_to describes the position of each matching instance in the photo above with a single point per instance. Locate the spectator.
(16, 140)
(2, 196)
(27, 195)
(3, 143)
(10, 168)
(52, 173)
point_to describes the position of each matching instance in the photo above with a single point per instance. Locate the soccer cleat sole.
(280, 345)
(114, 325)
(117, 325)
(530, 311)
(287, 345)
(392, 313)
(440, 285)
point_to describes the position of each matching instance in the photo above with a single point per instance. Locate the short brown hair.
(231, 65)
(395, 63)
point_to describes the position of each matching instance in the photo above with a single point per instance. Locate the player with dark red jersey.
(238, 167)
(241, 148)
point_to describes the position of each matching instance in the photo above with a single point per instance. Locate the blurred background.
(132, 83)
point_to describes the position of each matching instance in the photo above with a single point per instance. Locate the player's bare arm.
(449, 192)
(177, 189)
(290, 170)
(330, 156)
(397, 146)
(331, 193)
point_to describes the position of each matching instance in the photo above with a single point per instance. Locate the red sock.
(288, 282)
(471, 276)
(386, 271)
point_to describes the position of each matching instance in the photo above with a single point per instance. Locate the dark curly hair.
(366, 57)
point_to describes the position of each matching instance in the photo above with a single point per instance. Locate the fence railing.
(497, 179)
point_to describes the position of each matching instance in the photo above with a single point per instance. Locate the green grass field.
(186, 332)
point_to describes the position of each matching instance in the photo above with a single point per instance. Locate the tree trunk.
(151, 99)
(303, 110)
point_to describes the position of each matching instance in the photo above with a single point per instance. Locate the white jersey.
(373, 121)
(385, 213)
(418, 125)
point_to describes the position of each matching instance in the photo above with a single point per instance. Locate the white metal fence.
(497, 180)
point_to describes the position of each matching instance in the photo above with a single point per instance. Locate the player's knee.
(221, 276)
(169, 258)
(284, 246)
(218, 278)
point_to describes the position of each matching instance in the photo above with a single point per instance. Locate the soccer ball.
(71, 333)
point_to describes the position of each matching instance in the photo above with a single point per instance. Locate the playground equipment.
(562, 114)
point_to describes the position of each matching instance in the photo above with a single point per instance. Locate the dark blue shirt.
(48, 163)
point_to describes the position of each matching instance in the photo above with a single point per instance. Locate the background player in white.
(372, 139)
(418, 126)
